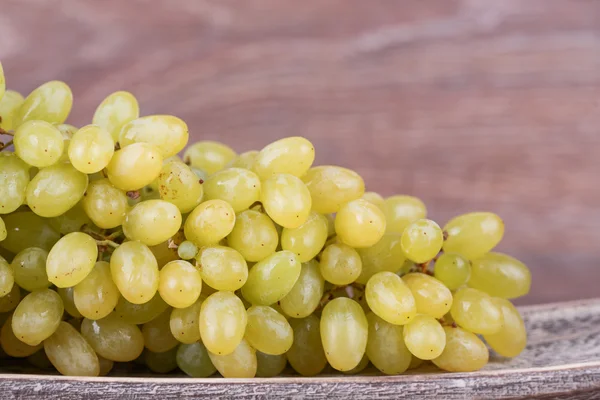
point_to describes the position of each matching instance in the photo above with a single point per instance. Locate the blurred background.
(467, 104)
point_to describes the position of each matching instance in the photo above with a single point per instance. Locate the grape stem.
(5, 132)
(5, 145)
(107, 243)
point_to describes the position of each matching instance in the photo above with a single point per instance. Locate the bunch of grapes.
(115, 249)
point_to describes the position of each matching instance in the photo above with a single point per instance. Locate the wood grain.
(468, 104)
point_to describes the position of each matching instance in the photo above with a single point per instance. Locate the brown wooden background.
(470, 105)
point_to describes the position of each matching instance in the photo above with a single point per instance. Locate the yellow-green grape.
(179, 284)
(71, 221)
(476, 312)
(208, 156)
(344, 330)
(38, 143)
(330, 187)
(55, 190)
(91, 149)
(306, 294)
(390, 298)
(168, 133)
(157, 333)
(210, 222)
(202, 175)
(254, 236)
(152, 222)
(241, 363)
(237, 186)
(422, 240)
(75, 322)
(67, 131)
(37, 316)
(269, 365)
(245, 160)
(134, 166)
(385, 347)
(70, 353)
(291, 155)
(415, 363)
(473, 234)
(401, 210)
(116, 110)
(187, 250)
(7, 277)
(71, 259)
(308, 239)
(14, 178)
(134, 262)
(9, 105)
(500, 275)
(424, 337)
(161, 363)
(179, 185)
(184, 323)
(340, 264)
(306, 355)
(113, 338)
(193, 359)
(359, 223)
(223, 322)
(3, 232)
(375, 198)
(431, 296)
(286, 200)
(12, 345)
(268, 331)
(29, 269)
(105, 365)
(271, 279)
(96, 296)
(66, 294)
(330, 224)
(222, 268)
(364, 362)
(50, 102)
(140, 313)
(511, 339)
(385, 255)
(464, 352)
(105, 204)
(25, 229)
(453, 270)
(10, 301)
(40, 360)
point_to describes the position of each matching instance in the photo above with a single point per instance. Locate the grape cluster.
(115, 249)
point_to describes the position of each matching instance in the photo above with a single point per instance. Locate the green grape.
(271, 279)
(187, 250)
(464, 352)
(308, 239)
(184, 322)
(161, 363)
(193, 359)
(390, 298)
(152, 222)
(254, 236)
(55, 190)
(330, 224)
(476, 312)
(208, 156)
(200, 174)
(473, 234)
(9, 105)
(286, 200)
(38, 143)
(117, 109)
(453, 270)
(401, 210)
(29, 269)
(431, 296)
(241, 363)
(178, 184)
(157, 333)
(96, 296)
(222, 268)
(105, 204)
(50, 102)
(71, 259)
(105, 365)
(140, 313)
(168, 133)
(340, 264)
(113, 338)
(134, 166)
(424, 337)
(245, 160)
(9, 301)
(385, 346)
(223, 322)
(37, 316)
(306, 355)
(71, 221)
(344, 330)
(360, 223)
(70, 353)
(179, 284)
(422, 240)
(91, 149)
(291, 155)
(7, 277)
(415, 362)
(500, 275)
(14, 178)
(331, 187)
(67, 131)
(40, 360)
(364, 362)
(164, 254)
(134, 262)
(75, 322)
(237, 186)
(210, 222)
(25, 229)
(385, 255)
(306, 294)
(268, 331)
(511, 339)
(12, 345)
(375, 198)
(66, 294)
(269, 365)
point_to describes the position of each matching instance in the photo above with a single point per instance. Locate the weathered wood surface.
(562, 360)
